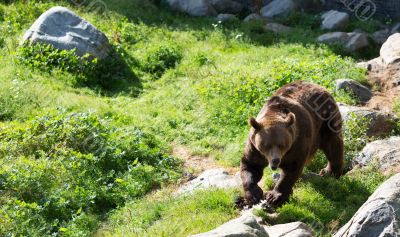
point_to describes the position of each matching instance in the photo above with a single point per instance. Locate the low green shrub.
(162, 58)
(64, 170)
(22, 13)
(110, 73)
(235, 98)
(355, 135)
(45, 57)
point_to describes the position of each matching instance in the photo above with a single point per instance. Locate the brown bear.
(297, 120)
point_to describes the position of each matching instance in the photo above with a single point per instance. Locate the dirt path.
(196, 164)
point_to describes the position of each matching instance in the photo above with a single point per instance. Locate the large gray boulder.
(227, 6)
(279, 8)
(379, 216)
(385, 154)
(390, 51)
(363, 93)
(244, 226)
(380, 123)
(65, 30)
(214, 178)
(294, 229)
(351, 41)
(193, 7)
(335, 20)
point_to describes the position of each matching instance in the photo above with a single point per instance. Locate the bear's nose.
(275, 162)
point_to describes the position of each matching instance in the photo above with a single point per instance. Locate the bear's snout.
(275, 163)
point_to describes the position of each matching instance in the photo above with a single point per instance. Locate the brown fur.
(297, 121)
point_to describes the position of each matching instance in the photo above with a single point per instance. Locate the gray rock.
(380, 37)
(65, 30)
(357, 41)
(227, 6)
(351, 41)
(279, 8)
(254, 17)
(244, 226)
(214, 178)
(335, 20)
(379, 216)
(385, 154)
(361, 92)
(381, 124)
(295, 229)
(334, 37)
(277, 28)
(193, 7)
(226, 17)
(390, 51)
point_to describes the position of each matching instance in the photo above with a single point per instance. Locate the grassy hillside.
(79, 140)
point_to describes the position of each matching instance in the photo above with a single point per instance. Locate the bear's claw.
(274, 198)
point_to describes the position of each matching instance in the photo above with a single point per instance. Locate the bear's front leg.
(251, 174)
(284, 187)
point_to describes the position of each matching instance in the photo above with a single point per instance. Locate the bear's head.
(273, 137)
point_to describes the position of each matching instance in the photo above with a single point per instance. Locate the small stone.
(193, 7)
(214, 178)
(385, 154)
(335, 20)
(361, 92)
(357, 42)
(277, 28)
(334, 37)
(279, 8)
(380, 37)
(226, 17)
(254, 17)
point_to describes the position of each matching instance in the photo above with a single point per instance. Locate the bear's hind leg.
(333, 148)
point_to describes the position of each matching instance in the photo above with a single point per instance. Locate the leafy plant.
(45, 57)
(58, 170)
(162, 59)
(355, 135)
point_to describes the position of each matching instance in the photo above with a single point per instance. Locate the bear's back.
(316, 100)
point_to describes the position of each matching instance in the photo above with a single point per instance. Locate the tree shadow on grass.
(306, 27)
(113, 75)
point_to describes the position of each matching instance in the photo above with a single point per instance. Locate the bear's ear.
(291, 118)
(253, 122)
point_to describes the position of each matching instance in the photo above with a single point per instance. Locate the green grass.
(177, 79)
(163, 214)
(326, 204)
